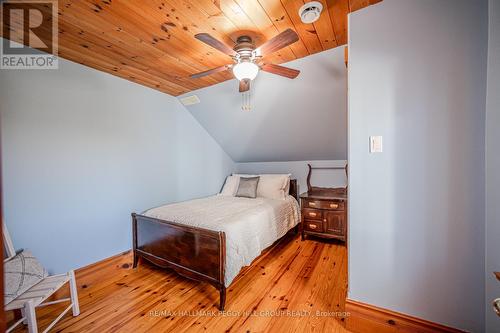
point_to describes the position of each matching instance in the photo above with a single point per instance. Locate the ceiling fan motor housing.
(244, 47)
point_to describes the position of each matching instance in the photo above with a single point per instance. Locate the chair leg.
(74, 294)
(29, 312)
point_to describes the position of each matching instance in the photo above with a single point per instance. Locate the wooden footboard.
(196, 253)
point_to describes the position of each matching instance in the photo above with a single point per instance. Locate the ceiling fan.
(247, 58)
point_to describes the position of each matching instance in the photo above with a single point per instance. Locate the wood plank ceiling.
(151, 42)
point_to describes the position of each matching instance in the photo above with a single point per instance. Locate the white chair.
(34, 297)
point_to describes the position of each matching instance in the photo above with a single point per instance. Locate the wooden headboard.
(294, 189)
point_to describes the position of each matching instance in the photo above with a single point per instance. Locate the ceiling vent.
(310, 12)
(190, 100)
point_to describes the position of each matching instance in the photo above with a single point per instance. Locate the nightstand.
(324, 214)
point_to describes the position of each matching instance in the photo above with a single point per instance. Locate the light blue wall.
(299, 170)
(83, 149)
(417, 76)
(290, 120)
(493, 166)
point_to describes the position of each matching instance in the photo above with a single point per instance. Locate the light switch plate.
(376, 144)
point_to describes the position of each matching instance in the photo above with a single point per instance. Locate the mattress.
(250, 225)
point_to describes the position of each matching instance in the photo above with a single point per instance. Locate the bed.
(211, 239)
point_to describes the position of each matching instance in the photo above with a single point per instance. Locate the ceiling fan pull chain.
(243, 101)
(250, 100)
(246, 106)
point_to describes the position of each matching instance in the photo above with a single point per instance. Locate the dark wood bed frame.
(195, 253)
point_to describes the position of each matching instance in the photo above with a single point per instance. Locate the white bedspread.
(251, 225)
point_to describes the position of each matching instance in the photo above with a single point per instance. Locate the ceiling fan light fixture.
(310, 12)
(245, 70)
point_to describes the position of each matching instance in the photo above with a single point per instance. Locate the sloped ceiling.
(151, 42)
(290, 120)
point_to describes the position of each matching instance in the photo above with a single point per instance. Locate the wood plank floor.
(294, 287)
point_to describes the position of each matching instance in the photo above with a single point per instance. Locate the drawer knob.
(312, 214)
(312, 226)
(334, 205)
(312, 204)
(324, 220)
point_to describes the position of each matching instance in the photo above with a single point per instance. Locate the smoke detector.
(310, 12)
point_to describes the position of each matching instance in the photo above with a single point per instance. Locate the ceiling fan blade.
(216, 44)
(211, 71)
(278, 42)
(281, 70)
(244, 85)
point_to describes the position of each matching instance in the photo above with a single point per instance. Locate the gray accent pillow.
(247, 187)
(22, 272)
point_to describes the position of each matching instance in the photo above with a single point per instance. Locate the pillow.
(21, 272)
(247, 187)
(230, 186)
(272, 186)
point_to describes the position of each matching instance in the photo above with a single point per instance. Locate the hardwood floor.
(299, 277)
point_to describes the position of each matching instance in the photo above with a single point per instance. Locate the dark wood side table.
(324, 214)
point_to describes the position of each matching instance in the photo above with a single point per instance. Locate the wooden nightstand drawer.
(312, 203)
(324, 204)
(333, 205)
(314, 214)
(324, 214)
(315, 226)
